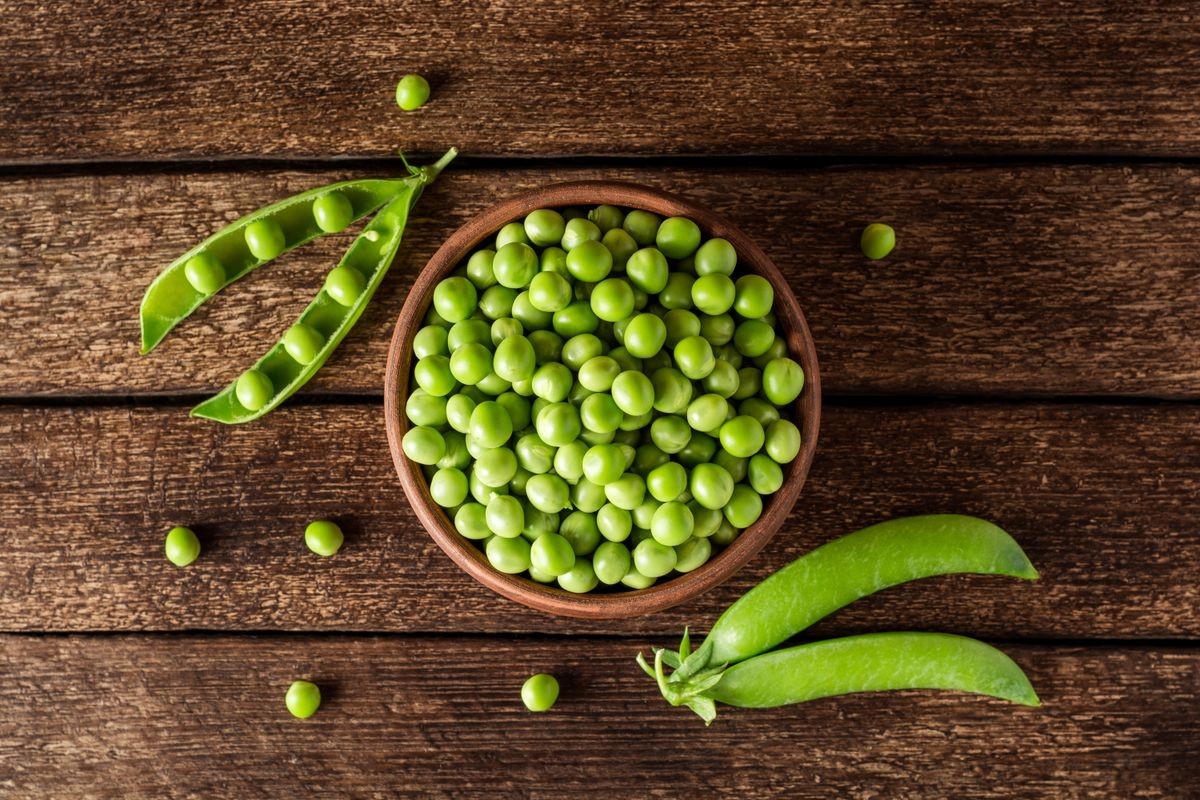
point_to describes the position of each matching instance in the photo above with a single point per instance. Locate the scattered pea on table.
(540, 692)
(412, 92)
(182, 546)
(324, 537)
(877, 240)
(600, 398)
(302, 699)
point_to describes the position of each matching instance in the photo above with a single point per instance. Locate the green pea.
(514, 359)
(667, 482)
(648, 270)
(734, 465)
(568, 460)
(302, 699)
(531, 318)
(778, 349)
(627, 361)
(597, 374)
(345, 285)
(670, 433)
(782, 381)
(742, 436)
(603, 464)
(503, 328)
(332, 212)
(707, 412)
(423, 444)
(760, 409)
(469, 331)
(621, 245)
(433, 318)
(534, 455)
(718, 329)
(580, 529)
(515, 264)
(589, 261)
(680, 324)
(537, 522)
(508, 555)
(182, 546)
(471, 363)
(544, 227)
(554, 259)
(458, 412)
(615, 524)
(612, 299)
(633, 393)
(588, 496)
(636, 580)
(606, 217)
(653, 559)
(753, 337)
(558, 424)
(755, 297)
(648, 457)
(204, 273)
(448, 487)
(457, 455)
(505, 517)
(579, 579)
(722, 381)
(694, 357)
(677, 237)
(552, 382)
(599, 413)
(672, 524)
(323, 537)
(548, 493)
(254, 389)
(264, 239)
(611, 562)
(518, 408)
(490, 425)
(496, 466)
(626, 492)
(578, 231)
(700, 449)
(711, 485)
(547, 346)
(749, 382)
(692, 554)
(512, 232)
(471, 521)
(729, 354)
(552, 554)
(412, 92)
(576, 319)
(672, 391)
(766, 476)
(479, 269)
(455, 299)
(431, 340)
(550, 292)
(877, 240)
(520, 481)
(716, 257)
(539, 692)
(645, 335)
(713, 294)
(643, 516)
(678, 291)
(425, 409)
(706, 521)
(744, 507)
(642, 226)
(783, 441)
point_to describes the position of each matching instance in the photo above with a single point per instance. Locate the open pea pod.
(297, 356)
(194, 277)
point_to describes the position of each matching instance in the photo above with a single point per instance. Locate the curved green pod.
(854, 566)
(172, 297)
(330, 315)
(873, 662)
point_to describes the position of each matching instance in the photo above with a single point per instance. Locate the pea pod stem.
(371, 255)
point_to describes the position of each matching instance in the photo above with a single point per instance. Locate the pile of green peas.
(601, 398)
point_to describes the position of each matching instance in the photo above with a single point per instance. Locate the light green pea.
(653, 559)
(510, 556)
(766, 476)
(692, 554)
(471, 521)
(505, 517)
(783, 441)
(744, 507)
(181, 546)
(672, 524)
(448, 487)
(611, 562)
(877, 240)
(782, 381)
(264, 239)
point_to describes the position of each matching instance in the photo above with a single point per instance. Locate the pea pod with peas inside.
(827, 579)
(242, 246)
(297, 356)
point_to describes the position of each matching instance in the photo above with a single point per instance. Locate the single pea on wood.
(182, 546)
(302, 699)
(589, 391)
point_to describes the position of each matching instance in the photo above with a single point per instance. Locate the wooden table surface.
(1029, 353)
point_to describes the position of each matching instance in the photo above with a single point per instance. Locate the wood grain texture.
(139, 80)
(1006, 280)
(1102, 497)
(187, 716)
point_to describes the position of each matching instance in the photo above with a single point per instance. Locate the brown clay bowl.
(597, 605)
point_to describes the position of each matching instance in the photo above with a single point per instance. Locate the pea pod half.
(873, 662)
(194, 277)
(297, 356)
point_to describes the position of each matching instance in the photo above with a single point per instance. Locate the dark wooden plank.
(1102, 497)
(153, 716)
(135, 80)
(1012, 280)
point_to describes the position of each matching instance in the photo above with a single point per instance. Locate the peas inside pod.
(600, 398)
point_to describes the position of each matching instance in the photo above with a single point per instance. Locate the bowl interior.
(598, 605)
